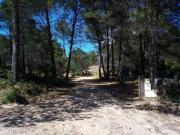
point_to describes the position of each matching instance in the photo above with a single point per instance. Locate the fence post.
(141, 86)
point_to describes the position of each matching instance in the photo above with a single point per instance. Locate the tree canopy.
(133, 37)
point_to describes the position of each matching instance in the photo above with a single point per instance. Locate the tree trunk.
(122, 61)
(29, 60)
(107, 39)
(69, 58)
(156, 58)
(101, 63)
(22, 57)
(108, 54)
(100, 75)
(72, 38)
(10, 38)
(141, 56)
(119, 62)
(101, 58)
(112, 51)
(141, 66)
(99, 49)
(53, 64)
(151, 60)
(16, 41)
(2, 63)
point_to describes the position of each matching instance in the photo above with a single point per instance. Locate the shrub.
(167, 88)
(12, 94)
(10, 76)
(20, 92)
(31, 89)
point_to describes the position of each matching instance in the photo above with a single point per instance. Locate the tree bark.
(2, 62)
(22, 57)
(141, 56)
(107, 39)
(10, 38)
(53, 64)
(100, 75)
(119, 61)
(112, 51)
(72, 37)
(108, 53)
(151, 59)
(29, 60)
(101, 63)
(99, 49)
(16, 41)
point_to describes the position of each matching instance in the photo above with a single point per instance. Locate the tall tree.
(112, 53)
(53, 64)
(16, 39)
(75, 9)
(94, 22)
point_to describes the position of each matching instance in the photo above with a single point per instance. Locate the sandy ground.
(90, 107)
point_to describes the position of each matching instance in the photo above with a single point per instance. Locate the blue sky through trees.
(81, 41)
(56, 15)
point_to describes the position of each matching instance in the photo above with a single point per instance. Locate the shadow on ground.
(73, 103)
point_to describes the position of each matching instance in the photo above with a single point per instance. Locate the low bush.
(20, 92)
(31, 88)
(12, 94)
(168, 88)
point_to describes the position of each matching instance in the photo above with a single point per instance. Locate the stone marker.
(149, 92)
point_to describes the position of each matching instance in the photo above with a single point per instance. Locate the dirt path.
(89, 107)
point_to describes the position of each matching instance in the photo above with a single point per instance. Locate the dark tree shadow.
(163, 106)
(73, 103)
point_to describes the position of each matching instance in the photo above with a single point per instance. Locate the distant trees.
(133, 38)
(28, 40)
(82, 60)
(130, 35)
(63, 29)
(92, 19)
(102, 19)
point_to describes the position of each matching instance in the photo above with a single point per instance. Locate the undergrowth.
(20, 92)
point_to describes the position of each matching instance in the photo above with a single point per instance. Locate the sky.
(175, 18)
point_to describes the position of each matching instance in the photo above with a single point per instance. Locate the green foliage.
(12, 94)
(61, 60)
(63, 28)
(31, 89)
(19, 92)
(121, 22)
(172, 66)
(81, 60)
(10, 76)
(168, 88)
